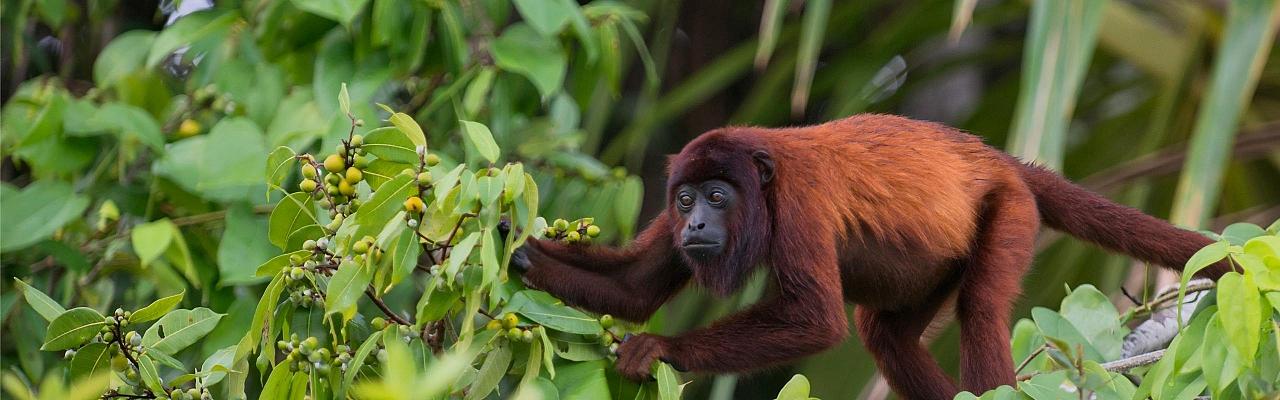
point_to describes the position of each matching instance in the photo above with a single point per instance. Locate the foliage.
(1227, 350)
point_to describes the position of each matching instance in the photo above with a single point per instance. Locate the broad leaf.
(179, 329)
(40, 302)
(35, 212)
(550, 312)
(480, 139)
(346, 287)
(73, 328)
(156, 309)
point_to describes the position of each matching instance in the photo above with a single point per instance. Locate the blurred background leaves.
(1172, 106)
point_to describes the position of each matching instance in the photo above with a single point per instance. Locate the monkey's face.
(706, 208)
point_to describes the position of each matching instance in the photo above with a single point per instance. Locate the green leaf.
(461, 251)
(342, 11)
(391, 144)
(446, 183)
(477, 91)
(668, 383)
(1203, 258)
(151, 239)
(346, 287)
(1250, 29)
(226, 164)
(523, 50)
(357, 361)
(381, 171)
(1240, 310)
(1221, 366)
(1092, 313)
(131, 124)
(376, 213)
(402, 251)
(278, 383)
(627, 206)
(795, 389)
(1054, 59)
(125, 55)
(36, 212)
(245, 245)
(188, 30)
(547, 17)
(491, 372)
(770, 24)
(40, 302)
(279, 164)
(480, 139)
(293, 212)
(550, 312)
(156, 309)
(277, 263)
(489, 257)
(179, 329)
(90, 360)
(72, 328)
(150, 374)
(1053, 326)
(218, 364)
(344, 100)
(406, 124)
(583, 380)
(1045, 386)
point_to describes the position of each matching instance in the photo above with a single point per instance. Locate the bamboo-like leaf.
(770, 23)
(1250, 31)
(814, 28)
(1054, 61)
(961, 16)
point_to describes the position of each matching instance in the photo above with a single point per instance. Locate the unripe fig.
(527, 337)
(357, 140)
(307, 185)
(432, 160)
(360, 162)
(510, 320)
(360, 247)
(308, 171)
(572, 237)
(493, 325)
(593, 231)
(514, 334)
(334, 163)
(424, 178)
(378, 323)
(560, 224)
(354, 175)
(606, 321)
(346, 189)
(414, 205)
(297, 274)
(309, 245)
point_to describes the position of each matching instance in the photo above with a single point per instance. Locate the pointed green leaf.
(40, 302)
(72, 328)
(90, 360)
(179, 329)
(480, 139)
(346, 287)
(156, 309)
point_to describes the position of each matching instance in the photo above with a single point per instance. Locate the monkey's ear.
(764, 163)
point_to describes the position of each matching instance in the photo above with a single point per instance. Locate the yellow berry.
(189, 127)
(493, 325)
(334, 163)
(346, 189)
(432, 160)
(354, 175)
(307, 185)
(414, 205)
(509, 320)
(593, 231)
(308, 171)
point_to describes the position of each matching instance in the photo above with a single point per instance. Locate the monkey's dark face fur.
(706, 208)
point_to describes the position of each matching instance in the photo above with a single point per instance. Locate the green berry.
(309, 245)
(550, 232)
(606, 321)
(346, 189)
(560, 224)
(514, 334)
(493, 325)
(424, 178)
(297, 274)
(308, 171)
(593, 231)
(307, 185)
(69, 354)
(334, 163)
(108, 336)
(378, 323)
(432, 160)
(510, 320)
(360, 247)
(134, 338)
(527, 337)
(572, 237)
(606, 340)
(361, 162)
(357, 140)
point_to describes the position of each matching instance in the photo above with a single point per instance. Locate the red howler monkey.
(902, 218)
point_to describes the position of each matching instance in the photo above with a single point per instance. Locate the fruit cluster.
(581, 230)
(307, 355)
(511, 323)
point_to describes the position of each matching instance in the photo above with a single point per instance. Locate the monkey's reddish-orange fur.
(914, 222)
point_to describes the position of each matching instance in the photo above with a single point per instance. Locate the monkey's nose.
(698, 226)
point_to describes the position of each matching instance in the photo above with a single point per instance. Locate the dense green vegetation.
(281, 199)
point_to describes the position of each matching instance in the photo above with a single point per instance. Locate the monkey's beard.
(724, 274)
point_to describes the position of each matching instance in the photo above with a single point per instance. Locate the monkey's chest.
(888, 276)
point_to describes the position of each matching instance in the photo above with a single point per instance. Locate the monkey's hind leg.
(990, 284)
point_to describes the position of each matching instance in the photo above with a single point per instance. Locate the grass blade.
(813, 28)
(770, 23)
(1250, 31)
(1054, 61)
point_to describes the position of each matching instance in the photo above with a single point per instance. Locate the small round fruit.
(134, 338)
(414, 205)
(108, 336)
(346, 189)
(68, 354)
(360, 247)
(510, 320)
(297, 274)
(493, 325)
(194, 393)
(560, 224)
(424, 178)
(332, 179)
(357, 140)
(514, 334)
(354, 175)
(118, 363)
(432, 160)
(550, 232)
(593, 231)
(606, 321)
(572, 237)
(413, 223)
(311, 343)
(334, 163)
(606, 340)
(378, 323)
(527, 337)
(407, 172)
(308, 171)
(307, 185)
(310, 244)
(189, 127)
(360, 162)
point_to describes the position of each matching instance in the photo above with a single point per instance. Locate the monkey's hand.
(637, 353)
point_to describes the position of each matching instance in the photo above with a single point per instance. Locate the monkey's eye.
(716, 197)
(685, 200)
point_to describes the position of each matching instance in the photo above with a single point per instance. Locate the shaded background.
(1131, 108)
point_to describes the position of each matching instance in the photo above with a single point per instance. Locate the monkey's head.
(718, 187)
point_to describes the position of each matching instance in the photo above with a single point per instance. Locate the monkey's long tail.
(1075, 210)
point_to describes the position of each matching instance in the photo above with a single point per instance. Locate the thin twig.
(1126, 364)
(1030, 357)
(385, 310)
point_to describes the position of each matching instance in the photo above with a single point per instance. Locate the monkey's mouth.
(701, 251)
